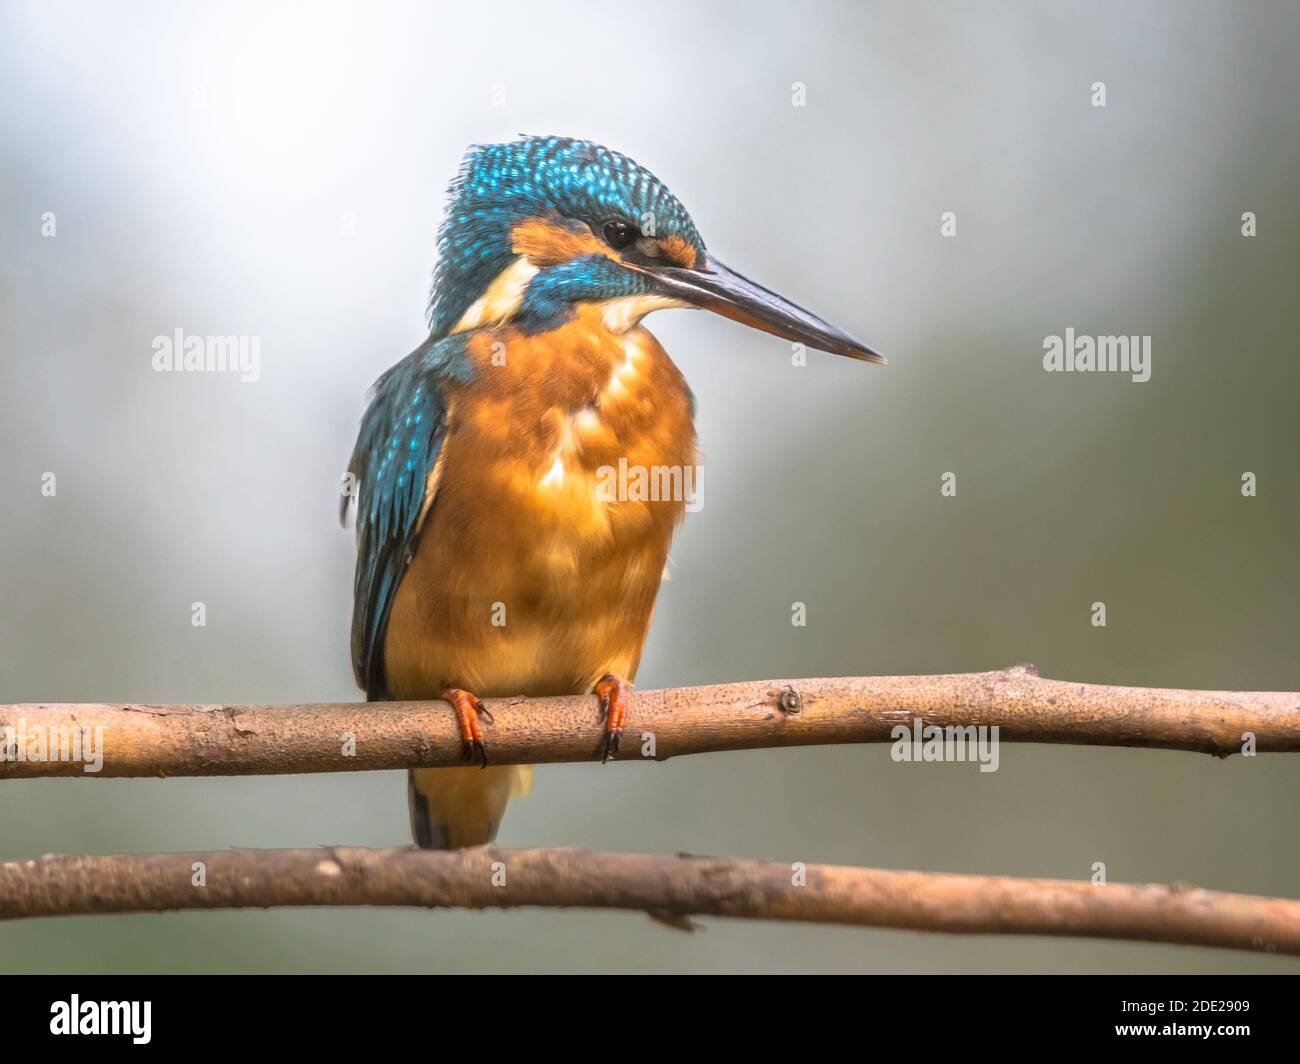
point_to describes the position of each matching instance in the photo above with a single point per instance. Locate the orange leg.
(468, 709)
(614, 695)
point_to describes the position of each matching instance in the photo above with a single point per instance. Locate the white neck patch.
(502, 299)
(505, 294)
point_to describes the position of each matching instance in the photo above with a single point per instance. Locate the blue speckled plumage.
(395, 451)
(501, 184)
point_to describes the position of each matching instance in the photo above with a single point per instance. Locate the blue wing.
(401, 434)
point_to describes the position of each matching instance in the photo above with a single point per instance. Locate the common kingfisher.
(492, 560)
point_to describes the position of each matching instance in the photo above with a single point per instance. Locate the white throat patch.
(504, 295)
(626, 312)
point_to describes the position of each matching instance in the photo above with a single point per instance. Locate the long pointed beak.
(715, 287)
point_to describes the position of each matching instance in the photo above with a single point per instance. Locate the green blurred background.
(204, 166)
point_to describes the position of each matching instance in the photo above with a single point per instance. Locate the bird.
(495, 555)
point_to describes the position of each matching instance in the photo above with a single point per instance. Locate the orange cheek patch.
(545, 243)
(678, 252)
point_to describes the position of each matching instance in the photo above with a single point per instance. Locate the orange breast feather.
(533, 574)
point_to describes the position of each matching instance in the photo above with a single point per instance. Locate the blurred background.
(278, 171)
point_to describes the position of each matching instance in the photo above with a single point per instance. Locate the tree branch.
(669, 888)
(222, 740)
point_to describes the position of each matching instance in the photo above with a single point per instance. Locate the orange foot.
(614, 695)
(468, 709)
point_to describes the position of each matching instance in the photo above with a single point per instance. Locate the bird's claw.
(469, 708)
(609, 748)
(473, 752)
(613, 694)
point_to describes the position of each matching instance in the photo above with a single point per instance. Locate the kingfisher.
(492, 557)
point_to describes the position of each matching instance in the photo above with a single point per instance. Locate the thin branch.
(669, 888)
(227, 740)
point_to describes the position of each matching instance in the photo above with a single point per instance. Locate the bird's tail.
(456, 807)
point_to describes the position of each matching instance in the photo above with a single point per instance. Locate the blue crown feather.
(500, 185)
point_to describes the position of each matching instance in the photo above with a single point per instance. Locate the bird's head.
(542, 223)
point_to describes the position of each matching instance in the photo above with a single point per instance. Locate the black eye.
(618, 233)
